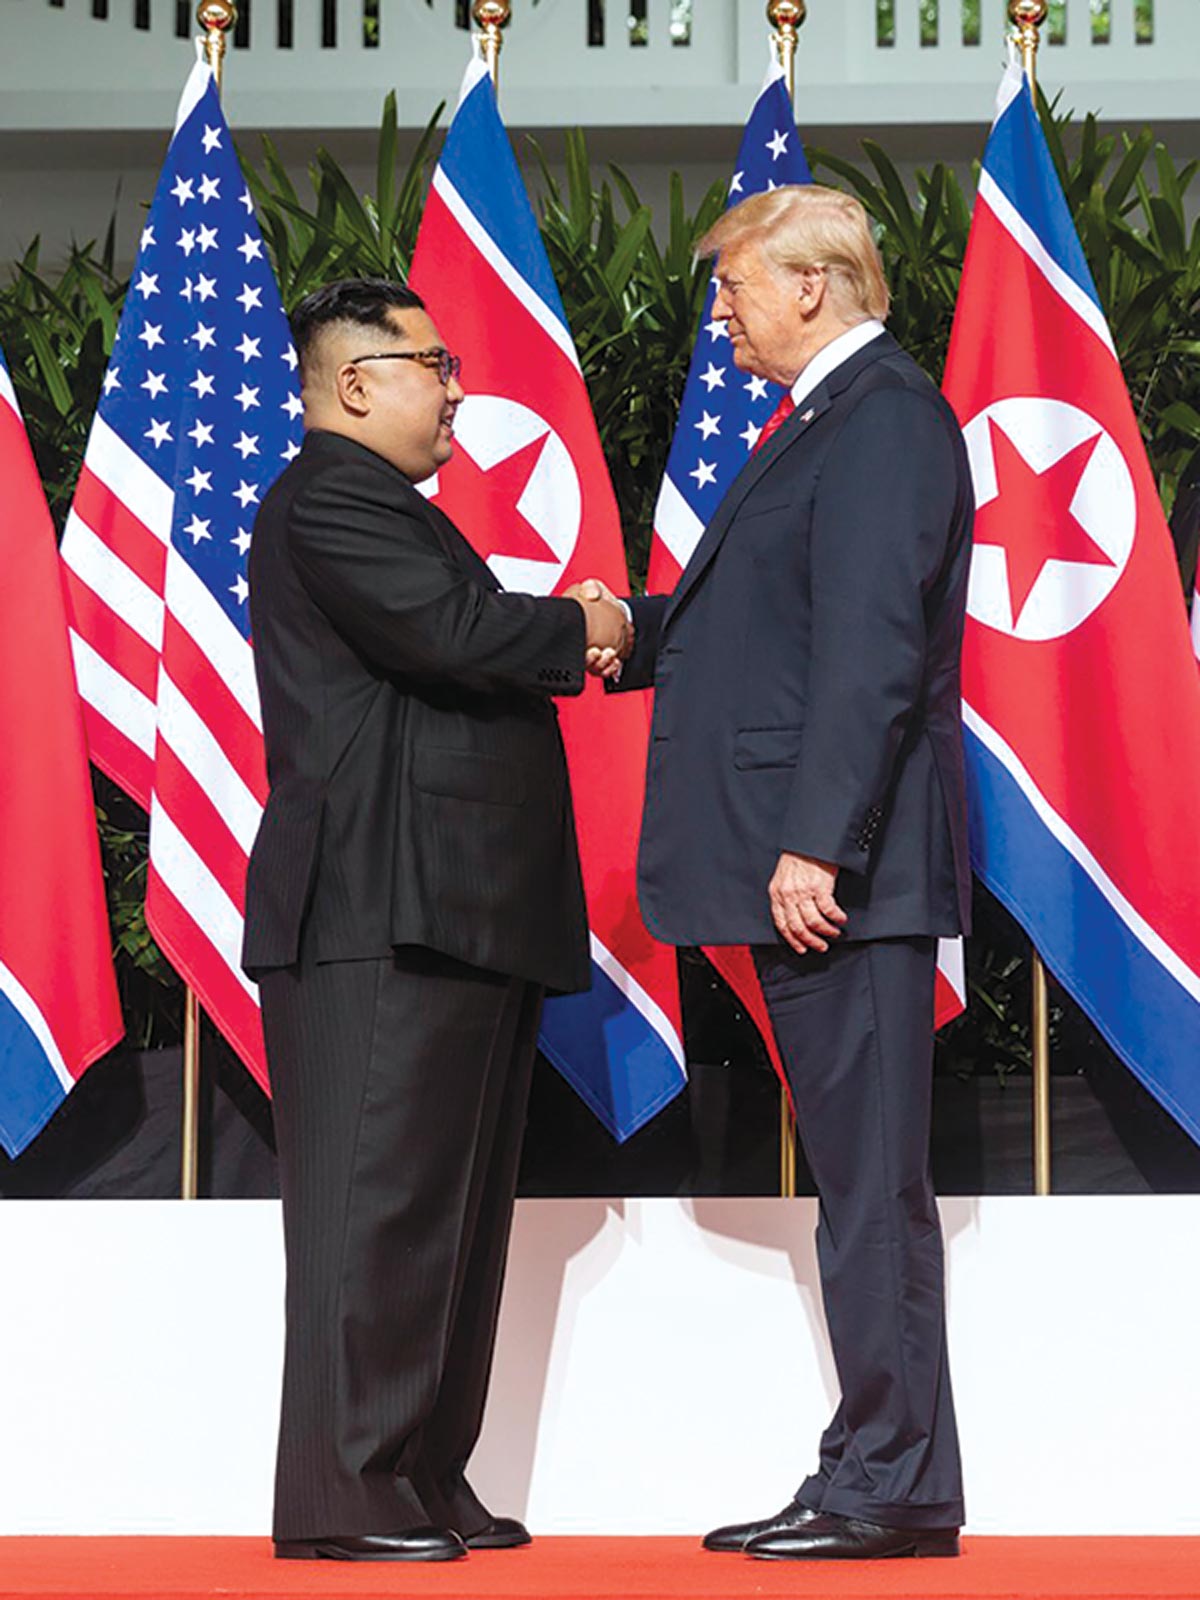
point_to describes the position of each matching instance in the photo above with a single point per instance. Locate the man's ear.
(811, 285)
(351, 390)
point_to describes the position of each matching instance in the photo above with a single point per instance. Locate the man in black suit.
(805, 796)
(413, 890)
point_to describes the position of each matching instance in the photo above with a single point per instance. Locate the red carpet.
(598, 1569)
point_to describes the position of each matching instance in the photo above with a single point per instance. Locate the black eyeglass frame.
(448, 366)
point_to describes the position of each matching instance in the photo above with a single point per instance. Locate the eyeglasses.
(436, 359)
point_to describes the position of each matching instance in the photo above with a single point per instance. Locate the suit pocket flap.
(750, 508)
(766, 747)
(468, 775)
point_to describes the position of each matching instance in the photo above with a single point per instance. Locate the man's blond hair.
(807, 225)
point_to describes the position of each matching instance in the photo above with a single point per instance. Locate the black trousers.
(855, 1030)
(400, 1089)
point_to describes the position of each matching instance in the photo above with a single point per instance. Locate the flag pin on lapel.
(808, 415)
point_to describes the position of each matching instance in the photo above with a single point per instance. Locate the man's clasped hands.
(610, 632)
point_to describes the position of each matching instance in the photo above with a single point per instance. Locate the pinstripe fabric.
(419, 802)
(418, 787)
(400, 1093)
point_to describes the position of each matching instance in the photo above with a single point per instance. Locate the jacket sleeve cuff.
(845, 844)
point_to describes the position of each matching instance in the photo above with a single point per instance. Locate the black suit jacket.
(418, 786)
(806, 673)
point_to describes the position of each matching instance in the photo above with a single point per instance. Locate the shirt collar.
(832, 355)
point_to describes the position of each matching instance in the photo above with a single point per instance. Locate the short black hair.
(365, 301)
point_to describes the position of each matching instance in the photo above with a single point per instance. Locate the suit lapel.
(815, 406)
(811, 409)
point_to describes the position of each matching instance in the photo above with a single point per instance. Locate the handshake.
(609, 631)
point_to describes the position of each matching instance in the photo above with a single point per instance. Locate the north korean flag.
(59, 1010)
(1081, 697)
(529, 486)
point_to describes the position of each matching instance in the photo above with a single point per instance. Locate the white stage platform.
(662, 1364)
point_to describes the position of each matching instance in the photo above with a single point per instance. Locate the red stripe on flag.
(129, 767)
(947, 1002)
(111, 520)
(736, 965)
(665, 572)
(182, 795)
(189, 950)
(191, 671)
(110, 636)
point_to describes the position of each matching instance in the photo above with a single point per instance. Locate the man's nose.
(455, 392)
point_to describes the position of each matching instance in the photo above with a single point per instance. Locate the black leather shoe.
(735, 1537)
(417, 1544)
(501, 1533)
(830, 1538)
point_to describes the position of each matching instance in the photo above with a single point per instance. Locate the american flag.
(723, 411)
(721, 415)
(200, 412)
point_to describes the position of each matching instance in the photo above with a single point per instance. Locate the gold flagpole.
(786, 17)
(217, 18)
(1027, 17)
(490, 17)
(189, 1148)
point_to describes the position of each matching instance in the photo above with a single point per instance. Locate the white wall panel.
(662, 1364)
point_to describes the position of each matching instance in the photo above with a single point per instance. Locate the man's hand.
(802, 902)
(604, 652)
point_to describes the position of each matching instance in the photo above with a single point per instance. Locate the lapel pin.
(808, 415)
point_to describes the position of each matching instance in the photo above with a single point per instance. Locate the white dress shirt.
(832, 355)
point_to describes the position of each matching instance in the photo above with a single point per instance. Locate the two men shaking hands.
(415, 887)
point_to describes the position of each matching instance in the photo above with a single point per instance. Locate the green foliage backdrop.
(633, 294)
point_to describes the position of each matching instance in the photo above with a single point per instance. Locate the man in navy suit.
(805, 796)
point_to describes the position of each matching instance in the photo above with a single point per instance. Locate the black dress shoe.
(417, 1544)
(829, 1538)
(501, 1533)
(735, 1537)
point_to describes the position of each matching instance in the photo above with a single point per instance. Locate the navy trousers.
(855, 1030)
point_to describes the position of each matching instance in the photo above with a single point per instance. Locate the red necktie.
(775, 421)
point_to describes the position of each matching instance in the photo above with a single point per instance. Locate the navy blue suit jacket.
(806, 673)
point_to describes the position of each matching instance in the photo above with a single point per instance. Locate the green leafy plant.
(57, 338)
(340, 233)
(151, 995)
(633, 306)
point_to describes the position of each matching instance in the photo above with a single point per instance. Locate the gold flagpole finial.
(1027, 17)
(490, 17)
(786, 18)
(218, 19)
